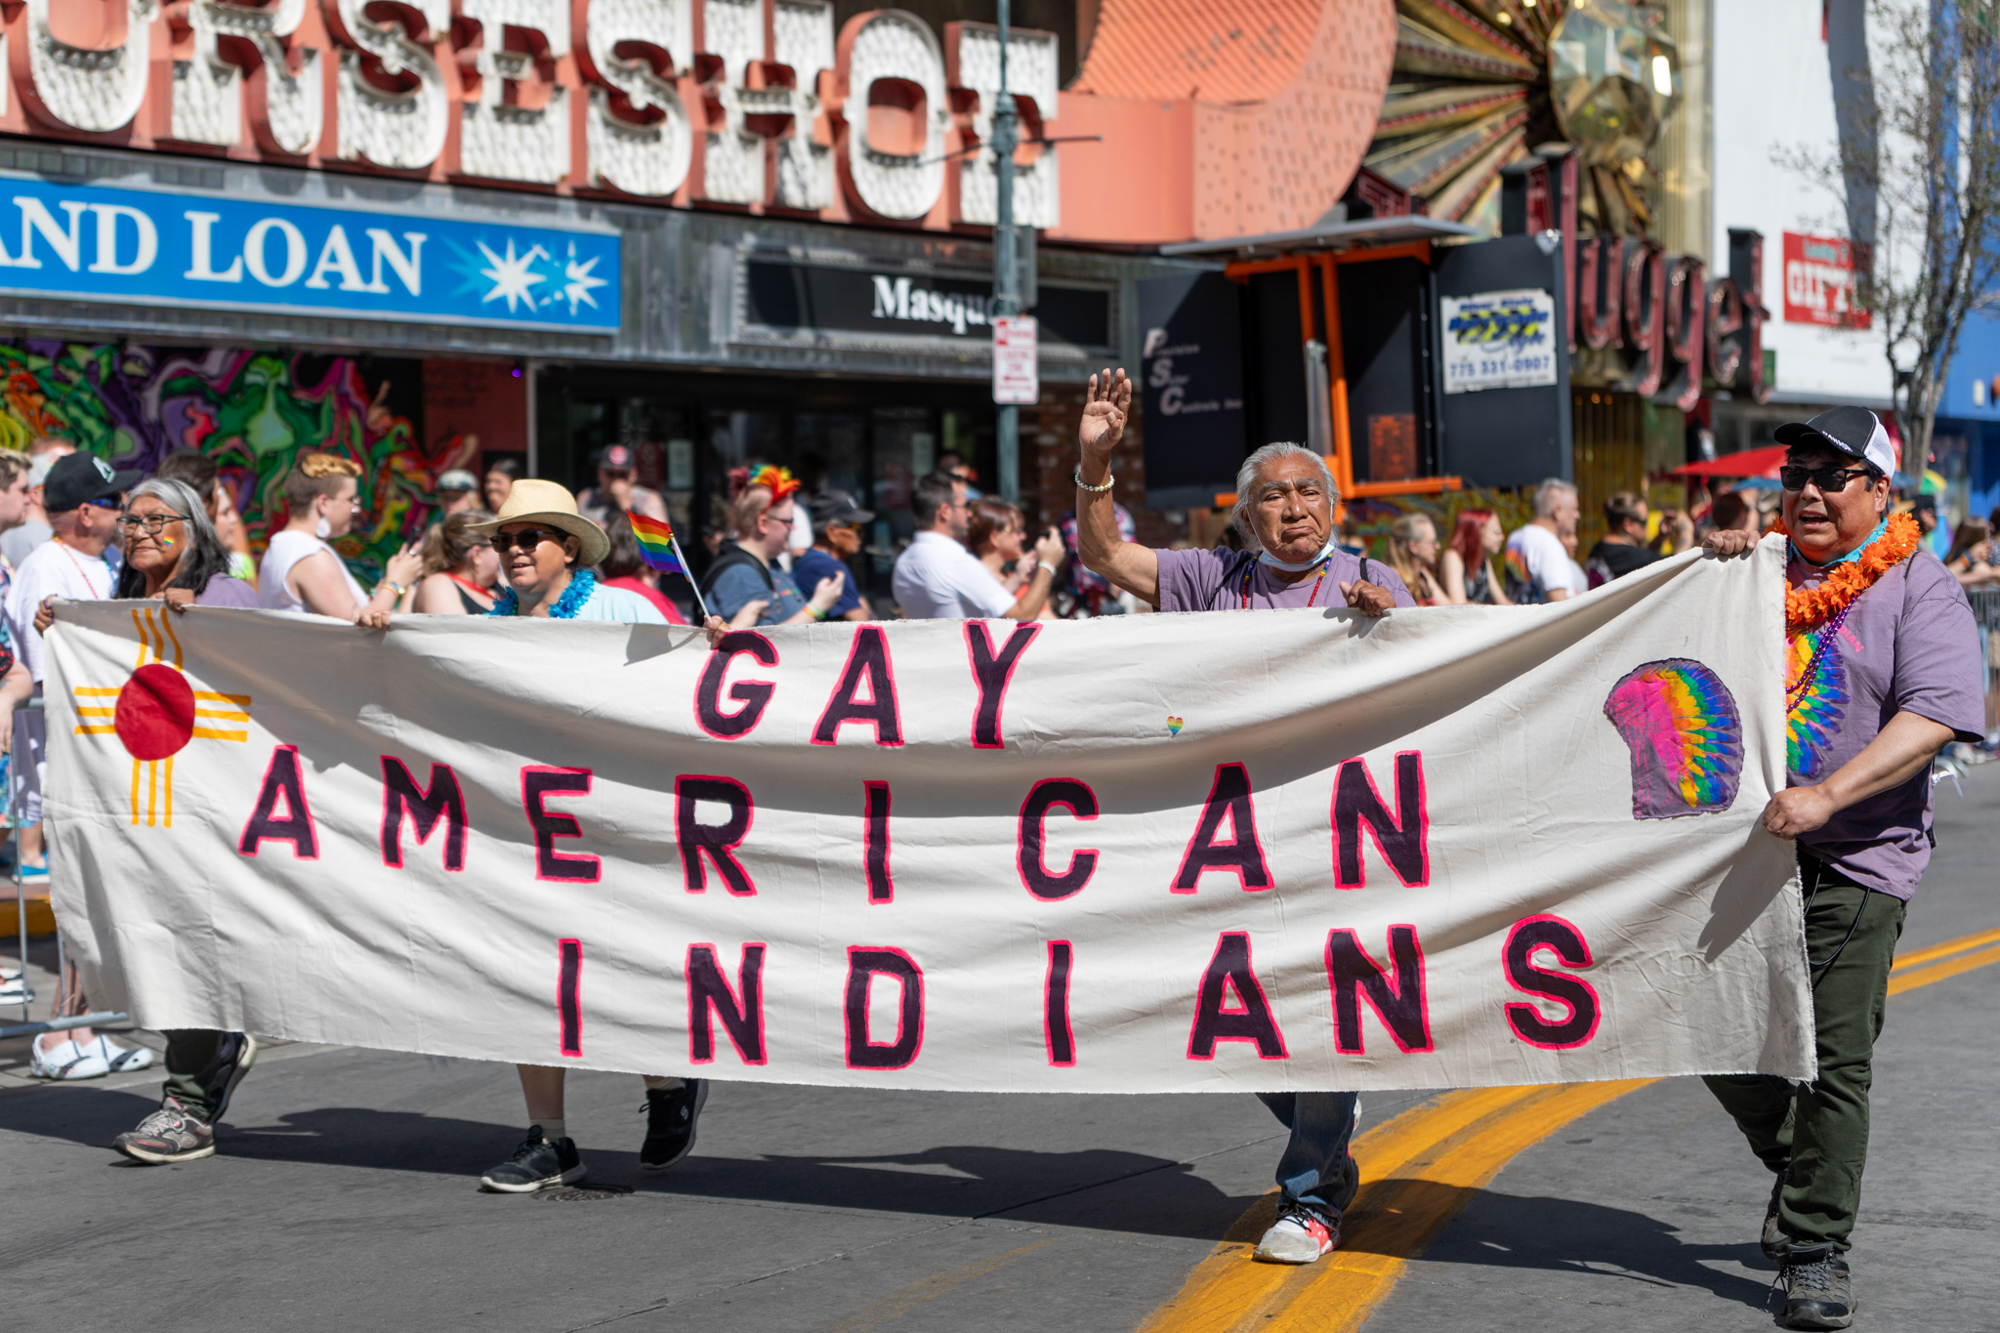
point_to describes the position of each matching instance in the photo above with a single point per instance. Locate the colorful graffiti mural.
(251, 411)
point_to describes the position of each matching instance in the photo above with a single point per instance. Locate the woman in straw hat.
(546, 548)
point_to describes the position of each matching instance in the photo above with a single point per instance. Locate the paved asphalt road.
(345, 1197)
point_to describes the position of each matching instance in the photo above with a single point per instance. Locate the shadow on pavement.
(1568, 1235)
(1119, 1191)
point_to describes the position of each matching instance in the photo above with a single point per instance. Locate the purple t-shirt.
(1909, 642)
(227, 590)
(1213, 581)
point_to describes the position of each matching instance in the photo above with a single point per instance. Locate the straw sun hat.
(546, 502)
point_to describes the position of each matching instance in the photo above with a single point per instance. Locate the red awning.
(1749, 463)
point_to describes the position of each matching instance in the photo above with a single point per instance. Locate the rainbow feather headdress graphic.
(1686, 737)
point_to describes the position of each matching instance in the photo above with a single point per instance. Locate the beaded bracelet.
(1083, 485)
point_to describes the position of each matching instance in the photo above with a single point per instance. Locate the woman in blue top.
(546, 549)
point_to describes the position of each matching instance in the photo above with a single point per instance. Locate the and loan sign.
(154, 247)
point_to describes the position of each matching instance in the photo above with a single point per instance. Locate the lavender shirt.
(1909, 642)
(1213, 581)
(227, 590)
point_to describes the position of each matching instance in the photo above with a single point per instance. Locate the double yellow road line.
(1420, 1170)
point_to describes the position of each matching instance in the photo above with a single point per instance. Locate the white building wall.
(1773, 91)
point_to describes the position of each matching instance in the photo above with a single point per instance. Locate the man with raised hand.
(1285, 499)
(1882, 671)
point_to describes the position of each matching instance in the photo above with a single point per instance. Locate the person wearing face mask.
(1285, 499)
(302, 573)
(546, 549)
(1882, 670)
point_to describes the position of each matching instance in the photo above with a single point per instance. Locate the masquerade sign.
(1239, 850)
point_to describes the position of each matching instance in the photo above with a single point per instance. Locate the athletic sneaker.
(1819, 1292)
(67, 1061)
(1299, 1236)
(536, 1164)
(1776, 1243)
(119, 1059)
(218, 1082)
(170, 1134)
(671, 1115)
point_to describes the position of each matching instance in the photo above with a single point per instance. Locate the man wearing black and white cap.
(1882, 671)
(83, 497)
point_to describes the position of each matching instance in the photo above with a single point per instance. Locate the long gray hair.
(1246, 484)
(205, 557)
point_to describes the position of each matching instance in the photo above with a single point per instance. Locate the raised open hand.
(1107, 402)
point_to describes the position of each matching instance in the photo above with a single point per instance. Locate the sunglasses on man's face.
(1830, 478)
(527, 541)
(106, 502)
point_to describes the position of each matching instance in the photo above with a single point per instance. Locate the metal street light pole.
(1006, 278)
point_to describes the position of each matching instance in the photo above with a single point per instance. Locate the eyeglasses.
(107, 502)
(152, 523)
(527, 541)
(1831, 478)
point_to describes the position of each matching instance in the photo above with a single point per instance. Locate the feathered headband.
(778, 481)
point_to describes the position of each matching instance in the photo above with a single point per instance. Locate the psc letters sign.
(750, 103)
(1451, 848)
(216, 250)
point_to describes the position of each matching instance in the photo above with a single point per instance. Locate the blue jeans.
(1316, 1169)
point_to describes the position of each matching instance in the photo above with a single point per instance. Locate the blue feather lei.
(581, 585)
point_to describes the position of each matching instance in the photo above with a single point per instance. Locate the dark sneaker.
(1819, 1293)
(671, 1114)
(536, 1164)
(169, 1134)
(1777, 1245)
(238, 1051)
(1299, 1236)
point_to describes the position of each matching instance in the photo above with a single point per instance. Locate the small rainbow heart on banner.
(1174, 725)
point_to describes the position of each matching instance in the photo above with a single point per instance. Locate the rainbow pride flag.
(656, 544)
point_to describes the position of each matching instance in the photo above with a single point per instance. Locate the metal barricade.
(13, 839)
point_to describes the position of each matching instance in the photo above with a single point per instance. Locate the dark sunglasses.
(527, 541)
(1832, 478)
(107, 502)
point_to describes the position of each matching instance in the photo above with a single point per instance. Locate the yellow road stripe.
(1420, 1169)
(1946, 949)
(1924, 976)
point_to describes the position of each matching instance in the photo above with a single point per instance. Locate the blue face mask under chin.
(1332, 545)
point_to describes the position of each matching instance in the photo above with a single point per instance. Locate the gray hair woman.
(172, 553)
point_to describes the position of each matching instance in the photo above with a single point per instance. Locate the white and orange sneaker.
(1299, 1236)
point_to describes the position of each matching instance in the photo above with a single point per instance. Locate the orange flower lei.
(1806, 607)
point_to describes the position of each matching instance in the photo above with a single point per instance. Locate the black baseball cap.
(617, 457)
(77, 479)
(1854, 431)
(838, 507)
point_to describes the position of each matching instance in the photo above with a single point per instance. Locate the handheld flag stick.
(658, 548)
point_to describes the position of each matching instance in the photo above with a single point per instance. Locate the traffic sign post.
(1016, 375)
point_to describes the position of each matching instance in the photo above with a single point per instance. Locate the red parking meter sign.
(1016, 377)
(1820, 282)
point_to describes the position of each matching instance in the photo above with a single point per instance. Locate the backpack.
(729, 559)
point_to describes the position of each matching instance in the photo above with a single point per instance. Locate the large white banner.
(1253, 850)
